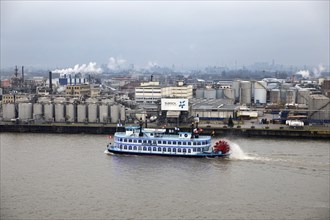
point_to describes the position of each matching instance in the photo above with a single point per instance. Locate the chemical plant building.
(81, 102)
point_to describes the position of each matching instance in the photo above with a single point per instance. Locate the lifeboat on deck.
(222, 146)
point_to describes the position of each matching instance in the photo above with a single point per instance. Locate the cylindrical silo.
(49, 112)
(92, 113)
(260, 92)
(71, 113)
(291, 96)
(219, 94)
(81, 113)
(200, 93)
(210, 94)
(104, 113)
(236, 87)
(122, 113)
(114, 113)
(8, 111)
(275, 96)
(229, 93)
(59, 113)
(303, 96)
(245, 92)
(37, 111)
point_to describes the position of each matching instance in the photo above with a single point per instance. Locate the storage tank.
(114, 113)
(59, 100)
(81, 113)
(235, 87)
(303, 96)
(200, 93)
(44, 100)
(122, 113)
(108, 101)
(219, 94)
(92, 113)
(245, 92)
(59, 113)
(49, 112)
(290, 96)
(275, 96)
(37, 111)
(104, 113)
(229, 94)
(260, 92)
(8, 111)
(210, 94)
(71, 113)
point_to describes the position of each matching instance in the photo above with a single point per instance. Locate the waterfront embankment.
(278, 132)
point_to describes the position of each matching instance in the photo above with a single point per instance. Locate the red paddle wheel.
(222, 146)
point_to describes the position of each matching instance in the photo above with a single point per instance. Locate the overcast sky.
(188, 33)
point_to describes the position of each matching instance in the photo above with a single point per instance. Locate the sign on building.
(174, 105)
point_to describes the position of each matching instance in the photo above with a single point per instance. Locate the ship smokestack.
(50, 82)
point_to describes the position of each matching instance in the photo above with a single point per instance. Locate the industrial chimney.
(50, 82)
(23, 73)
(151, 78)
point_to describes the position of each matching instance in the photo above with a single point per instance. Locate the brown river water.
(53, 176)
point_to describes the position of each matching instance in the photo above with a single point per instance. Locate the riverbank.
(279, 132)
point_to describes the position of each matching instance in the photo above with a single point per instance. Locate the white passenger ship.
(149, 141)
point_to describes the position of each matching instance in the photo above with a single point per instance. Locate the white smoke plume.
(115, 64)
(151, 65)
(90, 68)
(303, 73)
(318, 70)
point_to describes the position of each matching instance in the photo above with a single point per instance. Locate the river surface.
(52, 176)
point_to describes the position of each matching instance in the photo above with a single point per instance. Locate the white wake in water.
(238, 154)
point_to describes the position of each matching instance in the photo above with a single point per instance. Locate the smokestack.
(16, 71)
(50, 82)
(75, 80)
(151, 77)
(23, 73)
(70, 80)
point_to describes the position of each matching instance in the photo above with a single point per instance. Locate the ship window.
(134, 140)
(149, 142)
(125, 140)
(194, 143)
(159, 142)
(164, 149)
(130, 140)
(149, 148)
(169, 142)
(199, 149)
(169, 149)
(135, 148)
(164, 142)
(159, 149)
(151, 134)
(184, 150)
(194, 149)
(174, 142)
(144, 148)
(198, 143)
(179, 150)
(179, 142)
(140, 141)
(203, 142)
(184, 143)
(125, 147)
(120, 147)
(144, 141)
(174, 150)
(154, 149)
(129, 147)
(189, 143)
(189, 151)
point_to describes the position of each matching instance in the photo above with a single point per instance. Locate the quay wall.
(223, 132)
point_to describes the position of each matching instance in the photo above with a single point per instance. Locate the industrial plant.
(172, 99)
